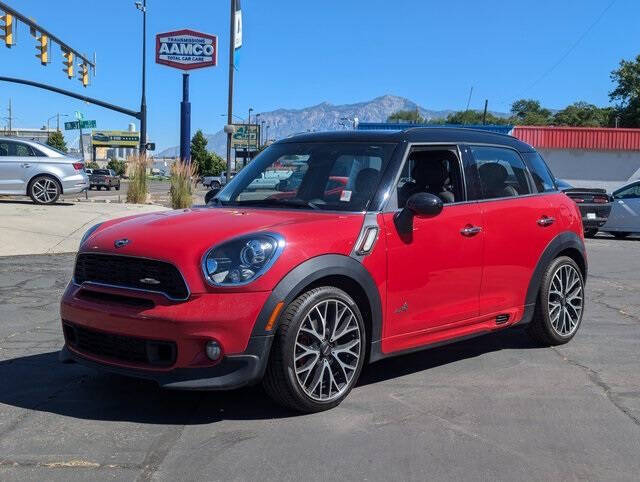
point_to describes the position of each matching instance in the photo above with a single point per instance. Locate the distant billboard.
(245, 135)
(115, 139)
(186, 49)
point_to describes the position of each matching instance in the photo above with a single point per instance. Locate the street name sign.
(186, 49)
(85, 124)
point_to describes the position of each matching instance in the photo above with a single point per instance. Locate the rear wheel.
(108, 188)
(318, 351)
(590, 233)
(560, 303)
(118, 187)
(44, 190)
(215, 185)
(621, 234)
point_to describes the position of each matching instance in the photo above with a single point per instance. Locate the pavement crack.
(595, 378)
(159, 450)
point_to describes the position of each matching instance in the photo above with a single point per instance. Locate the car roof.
(415, 134)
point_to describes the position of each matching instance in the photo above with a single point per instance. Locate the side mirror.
(419, 204)
(210, 195)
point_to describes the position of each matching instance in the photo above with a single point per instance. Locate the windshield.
(104, 172)
(339, 176)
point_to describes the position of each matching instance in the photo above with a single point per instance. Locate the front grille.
(128, 349)
(128, 272)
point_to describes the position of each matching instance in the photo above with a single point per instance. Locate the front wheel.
(560, 304)
(118, 187)
(318, 351)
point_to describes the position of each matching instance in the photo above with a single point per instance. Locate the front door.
(625, 209)
(434, 273)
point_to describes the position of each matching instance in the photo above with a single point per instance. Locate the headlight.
(89, 233)
(241, 260)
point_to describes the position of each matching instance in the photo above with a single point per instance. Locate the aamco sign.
(186, 49)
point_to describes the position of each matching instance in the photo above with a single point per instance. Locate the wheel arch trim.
(567, 240)
(313, 270)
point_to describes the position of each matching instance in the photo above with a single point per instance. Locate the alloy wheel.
(327, 350)
(566, 300)
(45, 190)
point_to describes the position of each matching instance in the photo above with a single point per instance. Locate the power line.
(568, 52)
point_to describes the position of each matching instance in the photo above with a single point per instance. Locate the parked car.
(106, 178)
(594, 204)
(300, 293)
(43, 173)
(216, 182)
(625, 212)
(88, 171)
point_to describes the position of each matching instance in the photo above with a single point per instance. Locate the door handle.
(470, 230)
(26, 165)
(546, 221)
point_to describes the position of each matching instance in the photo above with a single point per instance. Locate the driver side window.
(632, 192)
(434, 170)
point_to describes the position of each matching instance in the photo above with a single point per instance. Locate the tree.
(474, 117)
(120, 167)
(627, 92)
(529, 112)
(582, 114)
(56, 140)
(92, 165)
(218, 165)
(412, 116)
(199, 154)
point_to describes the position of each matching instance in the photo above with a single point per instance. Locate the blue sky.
(301, 53)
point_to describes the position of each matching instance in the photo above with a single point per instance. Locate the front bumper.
(233, 371)
(144, 317)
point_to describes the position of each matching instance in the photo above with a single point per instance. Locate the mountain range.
(321, 117)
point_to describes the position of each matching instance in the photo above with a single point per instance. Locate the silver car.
(625, 211)
(43, 173)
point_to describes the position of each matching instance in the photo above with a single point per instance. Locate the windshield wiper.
(292, 202)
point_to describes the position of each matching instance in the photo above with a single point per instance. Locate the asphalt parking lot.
(495, 407)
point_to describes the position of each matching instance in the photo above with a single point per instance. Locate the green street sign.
(79, 115)
(85, 124)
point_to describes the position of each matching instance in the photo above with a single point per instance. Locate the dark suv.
(383, 243)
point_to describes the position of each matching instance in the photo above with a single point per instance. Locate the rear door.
(518, 222)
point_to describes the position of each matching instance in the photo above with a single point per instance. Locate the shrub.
(138, 184)
(120, 167)
(92, 165)
(182, 179)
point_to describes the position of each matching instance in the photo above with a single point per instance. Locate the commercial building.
(38, 135)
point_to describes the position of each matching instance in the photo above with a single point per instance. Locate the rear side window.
(23, 150)
(542, 177)
(501, 171)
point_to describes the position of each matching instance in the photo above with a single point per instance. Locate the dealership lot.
(495, 407)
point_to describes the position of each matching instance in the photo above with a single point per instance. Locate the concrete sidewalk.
(27, 228)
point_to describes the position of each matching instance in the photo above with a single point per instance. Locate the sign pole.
(232, 42)
(81, 142)
(185, 121)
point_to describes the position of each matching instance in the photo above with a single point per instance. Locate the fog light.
(213, 350)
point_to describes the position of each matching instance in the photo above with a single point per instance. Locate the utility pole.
(142, 6)
(10, 117)
(484, 114)
(232, 42)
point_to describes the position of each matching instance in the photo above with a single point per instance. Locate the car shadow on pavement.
(15, 201)
(41, 383)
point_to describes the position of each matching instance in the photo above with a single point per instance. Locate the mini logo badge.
(120, 243)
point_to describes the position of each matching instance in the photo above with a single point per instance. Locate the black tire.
(209, 195)
(90, 187)
(620, 234)
(108, 188)
(118, 187)
(280, 381)
(541, 328)
(590, 233)
(98, 188)
(36, 186)
(215, 185)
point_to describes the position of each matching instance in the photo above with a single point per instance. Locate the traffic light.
(43, 47)
(68, 63)
(83, 74)
(8, 29)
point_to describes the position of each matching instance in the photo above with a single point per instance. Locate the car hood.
(182, 237)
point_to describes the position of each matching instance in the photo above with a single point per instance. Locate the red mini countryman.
(433, 235)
